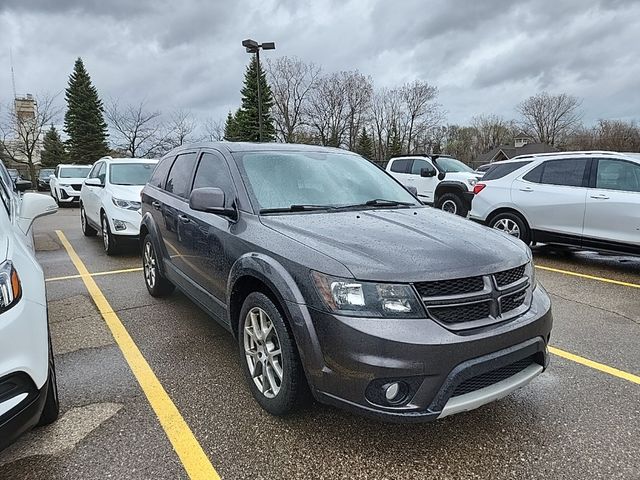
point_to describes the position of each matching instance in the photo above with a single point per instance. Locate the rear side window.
(569, 172)
(498, 171)
(402, 165)
(214, 172)
(178, 181)
(160, 172)
(618, 175)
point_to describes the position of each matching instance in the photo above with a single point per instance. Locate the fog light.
(119, 225)
(395, 392)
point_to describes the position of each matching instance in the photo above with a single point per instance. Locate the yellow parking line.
(590, 277)
(97, 274)
(595, 365)
(191, 454)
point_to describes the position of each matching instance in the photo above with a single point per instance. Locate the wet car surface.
(573, 421)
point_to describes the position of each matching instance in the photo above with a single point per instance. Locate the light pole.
(254, 47)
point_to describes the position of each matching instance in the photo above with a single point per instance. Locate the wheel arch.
(148, 226)
(454, 187)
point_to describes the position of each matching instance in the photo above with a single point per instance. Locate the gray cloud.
(484, 56)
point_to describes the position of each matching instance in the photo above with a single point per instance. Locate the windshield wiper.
(379, 202)
(297, 208)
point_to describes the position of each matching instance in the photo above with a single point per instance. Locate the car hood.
(461, 176)
(71, 181)
(403, 245)
(126, 192)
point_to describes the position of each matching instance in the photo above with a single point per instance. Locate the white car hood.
(71, 181)
(130, 193)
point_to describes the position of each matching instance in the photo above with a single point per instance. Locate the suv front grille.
(487, 379)
(77, 188)
(473, 302)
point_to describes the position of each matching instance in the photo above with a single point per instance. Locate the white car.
(66, 181)
(589, 200)
(440, 180)
(110, 199)
(28, 390)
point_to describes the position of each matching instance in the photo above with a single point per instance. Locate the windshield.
(74, 172)
(130, 173)
(45, 173)
(13, 173)
(278, 180)
(452, 165)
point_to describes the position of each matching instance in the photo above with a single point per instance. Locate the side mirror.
(441, 175)
(210, 200)
(93, 182)
(412, 190)
(52, 176)
(22, 185)
(427, 172)
(34, 205)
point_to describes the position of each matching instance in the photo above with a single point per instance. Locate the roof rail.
(564, 154)
(423, 155)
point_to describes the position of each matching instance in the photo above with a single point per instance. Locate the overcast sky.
(484, 56)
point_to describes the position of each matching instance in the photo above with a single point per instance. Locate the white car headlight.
(351, 297)
(10, 287)
(126, 204)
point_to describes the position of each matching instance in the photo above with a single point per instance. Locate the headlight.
(530, 271)
(126, 204)
(365, 299)
(10, 288)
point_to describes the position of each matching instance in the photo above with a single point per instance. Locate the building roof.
(504, 152)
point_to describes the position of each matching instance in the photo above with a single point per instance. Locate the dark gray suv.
(333, 278)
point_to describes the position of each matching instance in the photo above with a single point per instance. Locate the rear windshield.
(502, 170)
(130, 173)
(45, 173)
(74, 172)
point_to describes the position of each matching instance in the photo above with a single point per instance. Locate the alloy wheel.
(508, 226)
(263, 352)
(105, 233)
(449, 206)
(149, 265)
(83, 220)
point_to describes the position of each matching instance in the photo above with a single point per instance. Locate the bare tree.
(421, 115)
(326, 109)
(359, 91)
(135, 131)
(213, 129)
(492, 131)
(180, 128)
(550, 118)
(291, 80)
(22, 129)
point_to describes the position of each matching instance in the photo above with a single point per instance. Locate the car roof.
(233, 147)
(570, 154)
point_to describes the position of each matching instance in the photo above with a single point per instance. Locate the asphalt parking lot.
(187, 412)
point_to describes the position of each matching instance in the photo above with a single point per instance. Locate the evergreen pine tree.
(364, 145)
(247, 117)
(395, 143)
(53, 151)
(231, 132)
(84, 120)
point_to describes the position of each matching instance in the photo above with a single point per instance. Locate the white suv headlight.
(126, 204)
(10, 287)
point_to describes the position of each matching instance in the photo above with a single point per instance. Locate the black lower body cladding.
(414, 370)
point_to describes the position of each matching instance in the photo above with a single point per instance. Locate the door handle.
(600, 196)
(156, 205)
(184, 218)
(526, 189)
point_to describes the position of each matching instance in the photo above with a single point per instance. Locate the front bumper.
(360, 355)
(124, 222)
(68, 194)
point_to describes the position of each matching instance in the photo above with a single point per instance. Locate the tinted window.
(402, 166)
(94, 171)
(569, 172)
(618, 175)
(213, 172)
(160, 172)
(502, 170)
(102, 173)
(418, 165)
(179, 178)
(130, 173)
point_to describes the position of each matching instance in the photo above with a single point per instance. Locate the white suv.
(66, 181)
(440, 180)
(110, 199)
(589, 200)
(28, 391)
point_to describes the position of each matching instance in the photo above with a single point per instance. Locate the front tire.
(108, 239)
(87, 229)
(512, 224)
(452, 203)
(157, 284)
(269, 356)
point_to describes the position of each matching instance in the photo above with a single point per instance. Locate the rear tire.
(452, 203)
(108, 239)
(87, 229)
(513, 224)
(51, 409)
(157, 284)
(269, 356)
